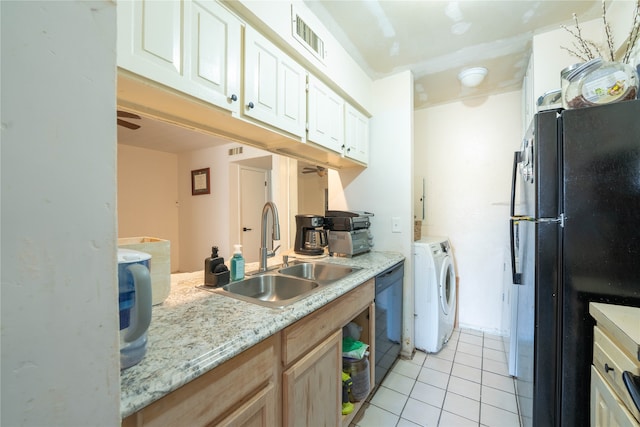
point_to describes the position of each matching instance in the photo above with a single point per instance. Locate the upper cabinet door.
(150, 39)
(274, 85)
(190, 46)
(213, 46)
(356, 135)
(326, 116)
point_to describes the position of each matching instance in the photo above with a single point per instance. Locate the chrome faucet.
(275, 234)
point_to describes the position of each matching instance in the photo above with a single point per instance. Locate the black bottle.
(210, 264)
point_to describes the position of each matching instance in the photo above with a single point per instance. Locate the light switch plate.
(395, 224)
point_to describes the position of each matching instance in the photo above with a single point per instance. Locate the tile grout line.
(446, 391)
(481, 383)
(454, 347)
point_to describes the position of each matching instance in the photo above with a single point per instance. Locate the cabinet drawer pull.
(607, 368)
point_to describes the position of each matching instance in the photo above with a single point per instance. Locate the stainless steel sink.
(270, 290)
(320, 272)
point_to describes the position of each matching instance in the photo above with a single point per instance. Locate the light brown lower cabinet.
(292, 378)
(312, 389)
(312, 359)
(241, 392)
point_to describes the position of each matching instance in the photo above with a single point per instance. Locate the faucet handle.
(273, 252)
(285, 260)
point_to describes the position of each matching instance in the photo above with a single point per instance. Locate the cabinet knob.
(250, 105)
(246, 229)
(233, 97)
(607, 368)
(342, 146)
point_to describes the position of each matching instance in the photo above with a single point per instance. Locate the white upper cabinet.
(274, 85)
(325, 115)
(150, 39)
(356, 143)
(528, 101)
(214, 53)
(190, 46)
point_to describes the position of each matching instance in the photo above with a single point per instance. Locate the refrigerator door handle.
(559, 220)
(517, 158)
(517, 276)
(513, 222)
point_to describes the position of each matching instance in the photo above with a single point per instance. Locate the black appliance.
(311, 238)
(388, 301)
(575, 238)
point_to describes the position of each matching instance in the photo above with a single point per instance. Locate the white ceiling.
(157, 135)
(438, 39)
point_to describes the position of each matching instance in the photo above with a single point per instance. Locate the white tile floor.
(465, 384)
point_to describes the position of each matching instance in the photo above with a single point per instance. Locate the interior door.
(254, 188)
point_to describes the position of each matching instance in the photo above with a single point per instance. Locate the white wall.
(148, 196)
(465, 153)
(311, 191)
(386, 186)
(60, 356)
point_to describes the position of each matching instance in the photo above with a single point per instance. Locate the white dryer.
(435, 293)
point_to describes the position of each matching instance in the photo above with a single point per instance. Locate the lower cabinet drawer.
(241, 391)
(606, 409)
(306, 333)
(611, 362)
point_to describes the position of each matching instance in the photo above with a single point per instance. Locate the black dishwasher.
(388, 303)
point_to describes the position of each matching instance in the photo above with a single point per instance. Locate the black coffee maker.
(311, 238)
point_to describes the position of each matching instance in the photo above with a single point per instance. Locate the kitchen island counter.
(195, 330)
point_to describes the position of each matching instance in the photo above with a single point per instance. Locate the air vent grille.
(235, 151)
(308, 37)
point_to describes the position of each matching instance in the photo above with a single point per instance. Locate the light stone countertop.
(194, 330)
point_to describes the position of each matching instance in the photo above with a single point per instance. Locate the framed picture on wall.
(200, 182)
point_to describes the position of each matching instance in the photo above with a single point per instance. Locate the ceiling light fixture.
(472, 77)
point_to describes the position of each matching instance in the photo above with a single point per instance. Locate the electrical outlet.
(395, 224)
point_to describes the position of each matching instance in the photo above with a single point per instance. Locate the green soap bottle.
(237, 264)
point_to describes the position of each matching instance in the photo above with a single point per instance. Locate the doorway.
(254, 193)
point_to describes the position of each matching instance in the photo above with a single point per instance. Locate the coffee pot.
(134, 301)
(315, 239)
(311, 238)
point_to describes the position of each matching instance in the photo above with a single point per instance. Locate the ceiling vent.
(235, 151)
(307, 37)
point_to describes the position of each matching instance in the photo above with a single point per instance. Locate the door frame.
(235, 223)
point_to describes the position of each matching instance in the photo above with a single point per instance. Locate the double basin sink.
(286, 284)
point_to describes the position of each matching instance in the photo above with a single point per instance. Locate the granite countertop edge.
(195, 330)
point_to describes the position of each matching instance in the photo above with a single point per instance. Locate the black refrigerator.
(575, 238)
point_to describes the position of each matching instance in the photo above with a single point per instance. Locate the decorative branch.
(634, 34)
(580, 45)
(597, 49)
(607, 30)
(574, 53)
(587, 50)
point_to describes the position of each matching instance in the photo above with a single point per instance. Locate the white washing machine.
(435, 293)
